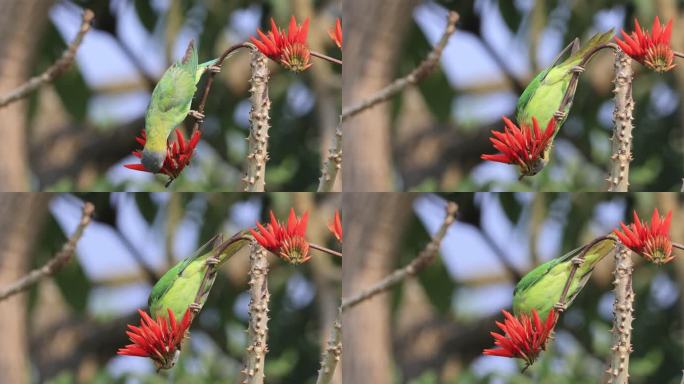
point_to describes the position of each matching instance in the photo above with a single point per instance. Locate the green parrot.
(180, 285)
(542, 287)
(170, 103)
(552, 88)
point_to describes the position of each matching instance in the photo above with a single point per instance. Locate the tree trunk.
(373, 38)
(21, 217)
(21, 25)
(374, 224)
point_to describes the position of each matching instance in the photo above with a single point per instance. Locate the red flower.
(287, 48)
(159, 340)
(286, 241)
(652, 50)
(336, 226)
(653, 243)
(522, 146)
(336, 33)
(178, 154)
(525, 337)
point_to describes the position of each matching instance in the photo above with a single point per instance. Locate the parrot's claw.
(560, 115)
(577, 261)
(196, 115)
(577, 69)
(194, 307)
(212, 261)
(214, 68)
(560, 308)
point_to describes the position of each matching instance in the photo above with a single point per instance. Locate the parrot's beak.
(153, 161)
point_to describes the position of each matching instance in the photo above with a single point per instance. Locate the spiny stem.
(257, 142)
(618, 371)
(332, 164)
(331, 355)
(618, 179)
(257, 331)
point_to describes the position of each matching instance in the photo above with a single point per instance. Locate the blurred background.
(431, 136)
(67, 329)
(76, 133)
(433, 328)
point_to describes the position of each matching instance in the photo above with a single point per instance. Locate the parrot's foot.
(196, 115)
(214, 68)
(194, 307)
(213, 261)
(560, 307)
(577, 69)
(577, 261)
(560, 115)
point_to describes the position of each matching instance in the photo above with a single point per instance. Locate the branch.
(210, 81)
(415, 266)
(255, 177)
(577, 261)
(418, 74)
(618, 372)
(324, 249)
(331, 355)
(326, 58)
(253, 372)
(56, 263)
(618, 179)
(332, 164)
(56, 69)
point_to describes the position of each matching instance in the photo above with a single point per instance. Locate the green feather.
(179, 286)
(542, 287)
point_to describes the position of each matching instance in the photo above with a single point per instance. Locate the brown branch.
(332, 164)
(56, 263)
(618, 179)
(326, 58)
(324, 249)
(210, 81)
(415, 266)
(331, 355)
(618, 371)
(257, 331)
(257, 142)
(56, 69)
(419, 73)
(577, 261)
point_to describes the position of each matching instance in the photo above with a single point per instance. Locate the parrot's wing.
(532, 277)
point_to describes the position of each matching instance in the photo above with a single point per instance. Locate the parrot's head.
(535, 166)
(153, 161)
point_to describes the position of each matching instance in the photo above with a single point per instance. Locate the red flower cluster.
(336, 33)
(286, 241)
(522, 146)
(159, 340)
(336, 226)
(652, 50)
(290, 48)
(524, 337)
(178, 154)
(654, 242)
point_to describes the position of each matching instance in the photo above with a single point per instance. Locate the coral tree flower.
(286, 241)
(524, 336)
(652, 50)
(336, 33)
(522, 146)
(160, 339)
(289, 48)
(652, 242)
(178, 154)
(336, 226)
